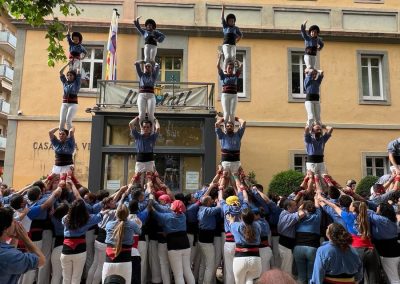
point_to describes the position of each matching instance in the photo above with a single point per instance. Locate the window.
(296, 75)
(170, 68)
(376, 166)
(92, 68)
(371, 69)
(241, 88)
(299, 163)
(373, 77)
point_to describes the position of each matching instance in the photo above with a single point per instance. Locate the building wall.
(275, 122)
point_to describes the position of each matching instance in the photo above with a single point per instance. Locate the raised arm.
(50, 201)
(133, 123)
(71, 132)
(139, 70)
(157, 125)
(242, 122)
(220, 55)
(52, 132)
(223, 13)
(337, 209)
(137, 25)
(304, 32)
(329, 130)
(63, 68)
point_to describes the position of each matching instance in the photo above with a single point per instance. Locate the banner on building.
(111, 64)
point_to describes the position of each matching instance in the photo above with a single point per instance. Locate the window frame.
(91, 92)
(384, 98)
(370, 1)
(374, 155)
(296, 153)
(246, 96)
(296, 98)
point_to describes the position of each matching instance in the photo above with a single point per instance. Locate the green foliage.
(364, 186)
(285, 182)
(252, 177)
(34, 13)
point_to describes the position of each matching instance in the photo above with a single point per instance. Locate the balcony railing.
(3, 142)
(8, 41)
(170, 95)
(4, 107)
(6, 72)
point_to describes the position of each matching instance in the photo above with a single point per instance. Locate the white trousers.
(164, 263)
(123, 269)
(56, 275)
(74, 64)
(154, 262)
(142, 248)
(142, 167)
(391, 267)
(229, 102)
(195, 258)
(30, 276)
(96, 269)
(310, 61)
(90, 238)
(72, 267)
(246, 269)
(275, 252)
(287, 259)
(180, 265)
(266, 256)
(219, 251)
(146, 102)
(229, 253)
(229, 51)
(317, 168)
(67, 113)
(233, 167)
(313, 109)
(150, 52)
(208, 262)
(47, 245)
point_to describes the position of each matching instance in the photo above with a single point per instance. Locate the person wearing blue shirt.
(151, 38)
(174, 225)
(146, 101)
(313, 44)
(394, 154)
(144, 143)
(247, 234)
(119, 240)
(336, 261)
(73, 255)
(77, 51)
(229, 79)
(232, 35)
(71, 86)
(307, 240)
(315, 141)
(207, 224)
(312, 84)
(64, 148)
(14, 263)
(265, 246)
(230, 142)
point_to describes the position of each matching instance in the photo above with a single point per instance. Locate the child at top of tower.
(232, 35)
(151, 38)
(313, 44)
(77, 51)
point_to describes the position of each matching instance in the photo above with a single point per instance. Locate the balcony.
(6, 73)
(183, 97)
(8, 42)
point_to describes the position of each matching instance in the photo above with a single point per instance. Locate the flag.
(111, 68)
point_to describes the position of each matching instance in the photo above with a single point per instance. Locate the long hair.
(339, 236)
(77, 216)
(387, 210)
(362, 219)
(248, 219)
(122, 214)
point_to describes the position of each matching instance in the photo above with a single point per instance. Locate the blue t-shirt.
(231, 142)
(68, 147)
(144, 144)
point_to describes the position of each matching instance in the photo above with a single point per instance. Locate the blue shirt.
(58, 227)
(71, 88)
(311, 86)
(191, 212)
(237, 230)
(93, 220)
(14, 263)
(287, 223)
(94, 208)
(350, 219)
(227, 29)
(147, 34)
(335, 217)
(331, 260)
(67, 147)
(171, 222)
(311, 223)
(265, 230)
(207, 217)
(381, 227)
(232, 210)
(315, 146)
(75, 49)
(310, 41)
(147, 79)
(144, 144)
(130, 229)
(228, 80)
(230, 142)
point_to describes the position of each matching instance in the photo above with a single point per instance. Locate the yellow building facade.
(358, 94)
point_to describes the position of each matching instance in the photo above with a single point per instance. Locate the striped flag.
(111, 69)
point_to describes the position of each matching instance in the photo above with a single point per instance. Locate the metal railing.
(8, 37)
(6, 72)
(124, 94)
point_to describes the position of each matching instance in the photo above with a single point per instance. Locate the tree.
(284, 183)
(34, 13)
(364, 186)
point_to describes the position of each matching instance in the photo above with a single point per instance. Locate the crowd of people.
(56, 230)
